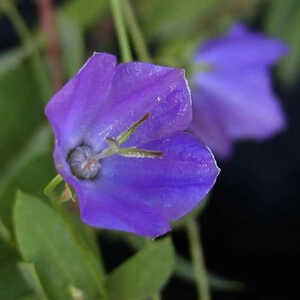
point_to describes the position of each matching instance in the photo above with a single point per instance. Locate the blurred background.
(250, 226)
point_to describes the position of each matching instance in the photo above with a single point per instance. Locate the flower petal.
(140, 88)
(73, 109)
(103, 100)
(240, 48)
(208, 123)
(109, 207)
(173, 184)
(249, 108)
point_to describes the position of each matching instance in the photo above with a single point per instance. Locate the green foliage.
(85, 235)
(11, 59)
(12, 285)
(60, 260)
(71, 42)
(143, 274)
(85, 12)
(31, 277)
(21, 109)
(30, 170)
(283, 22)
(171, 20)
(164, 18)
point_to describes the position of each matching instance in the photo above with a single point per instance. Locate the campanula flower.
(119, 142)
(232, 93)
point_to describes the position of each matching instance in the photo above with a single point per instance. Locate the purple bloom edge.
(137, 195)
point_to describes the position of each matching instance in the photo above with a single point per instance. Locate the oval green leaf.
(45, 240)
(143, 274)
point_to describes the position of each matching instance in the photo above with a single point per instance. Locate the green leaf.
(11, 59)
(169, 19)
(71, 42)
(289, 67)
(29, 297)
(60, 261)
(283, 22)
(20, 109)
(33, 162)
(278, 15)
(12, 284)
(31, 277)
(144, 273)
(178, 52)
(165, 18)
(4, 233)
(85, 12)
(85, 235)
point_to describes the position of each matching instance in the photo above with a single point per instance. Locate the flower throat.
(85, 163)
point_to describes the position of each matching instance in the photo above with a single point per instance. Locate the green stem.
(37, 64)
(198, 260)
(48, 190)
(116, 8)
(135, 31)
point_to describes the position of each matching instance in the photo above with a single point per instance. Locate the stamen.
(139, 153)
(126, 134)
(85, 163)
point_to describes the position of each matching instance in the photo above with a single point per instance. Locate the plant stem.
(47, 22)
(48, 190)
(116, 8)
(198, 260)
(37, 64)
(135, 31)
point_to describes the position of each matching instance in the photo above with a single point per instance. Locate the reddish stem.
(48, 27)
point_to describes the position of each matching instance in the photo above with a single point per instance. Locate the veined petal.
(173, 184)
(108, 206)
(140, 88)
(74, 108)
(104, 100)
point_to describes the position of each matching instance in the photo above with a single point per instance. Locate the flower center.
(83, 163)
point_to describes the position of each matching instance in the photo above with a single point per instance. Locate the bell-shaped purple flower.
(119, 142)
(232, 94)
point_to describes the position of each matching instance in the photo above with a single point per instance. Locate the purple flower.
(232, 96)
(119, 144)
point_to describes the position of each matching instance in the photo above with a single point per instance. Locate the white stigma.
(83, 163)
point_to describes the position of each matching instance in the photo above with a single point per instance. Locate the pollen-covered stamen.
(114, 148)
(139, 153)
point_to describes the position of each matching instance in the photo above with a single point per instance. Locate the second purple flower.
(232, 95)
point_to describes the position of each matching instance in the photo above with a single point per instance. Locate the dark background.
(251, 224)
